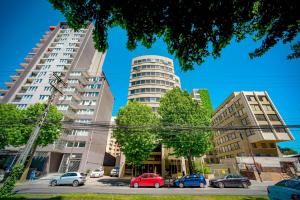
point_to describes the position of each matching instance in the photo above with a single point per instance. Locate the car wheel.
(135, 185)
(181, 185)
(201, 185)
(221, 185)
(53, 183)
(244, 185)
(75, 183)
(156, 185)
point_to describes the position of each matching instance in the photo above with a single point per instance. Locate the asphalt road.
(107, 185)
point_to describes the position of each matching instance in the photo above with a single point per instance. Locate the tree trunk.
(191, 166)
(27, 167)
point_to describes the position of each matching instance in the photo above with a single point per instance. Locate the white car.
(97, 173)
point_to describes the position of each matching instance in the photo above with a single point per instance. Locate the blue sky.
(24, 22)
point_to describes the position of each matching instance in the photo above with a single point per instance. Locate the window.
(262, 98)
(69, 89)
(273, 117)
(75, 74)
(260, 117)
(267, 107)
(272, 145)
(37, 81)
(64, 61)
(45, 67)
(75, 144)
(85, 111)
(53, 54)
(91, 94)
(48, 88)
(62, 107)
(88, 102)
(21, 106)
(280, 130)
(32, 89)
(255, 107)
(244, 121)
(264, 145)
(73, 81)
(84, 121)
(44, 97)
(49, 60)
(254, 145)
(80, 132)
(27, 97)
(250, 98)
(93, 86)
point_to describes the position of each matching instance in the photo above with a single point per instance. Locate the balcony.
(15, 77)
(20, 71)
(24, 65)
(35, 50)
(9, 84)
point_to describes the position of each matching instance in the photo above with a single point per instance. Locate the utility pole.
(36, 131)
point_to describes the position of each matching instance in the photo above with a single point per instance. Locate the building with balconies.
(86, 99)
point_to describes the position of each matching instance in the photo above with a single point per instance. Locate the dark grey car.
(69, 178)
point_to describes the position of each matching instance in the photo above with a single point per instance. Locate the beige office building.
(250, 151)
(254, 109)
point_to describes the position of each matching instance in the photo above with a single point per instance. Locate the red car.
(147, 180)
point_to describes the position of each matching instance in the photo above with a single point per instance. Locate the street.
(108, 185)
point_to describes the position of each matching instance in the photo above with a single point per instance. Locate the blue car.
(286, 189)
(193, 180)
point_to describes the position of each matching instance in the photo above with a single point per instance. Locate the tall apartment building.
(86, 99)
(248, 109)
(112, 146)
(151, 76)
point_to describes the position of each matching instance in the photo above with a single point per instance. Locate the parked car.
(69, 178)
(97, 173)
(286, 189)
(147, 180)
(114, 172)
(231, 180)
(193, 180)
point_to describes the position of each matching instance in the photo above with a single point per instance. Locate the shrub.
(9, 184)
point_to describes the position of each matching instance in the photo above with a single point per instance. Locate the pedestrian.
(32, 175)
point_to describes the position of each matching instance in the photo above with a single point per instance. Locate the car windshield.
(97, 170)
(82, 174)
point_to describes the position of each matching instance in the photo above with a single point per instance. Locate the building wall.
(242, 109)
(86, 99)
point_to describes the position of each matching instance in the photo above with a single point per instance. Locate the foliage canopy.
(192, 30)
(136, 143)
(17, 125)
(179, 109)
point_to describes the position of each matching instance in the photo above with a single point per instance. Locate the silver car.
(69, 178)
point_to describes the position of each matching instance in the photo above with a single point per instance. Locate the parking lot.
(113, 185)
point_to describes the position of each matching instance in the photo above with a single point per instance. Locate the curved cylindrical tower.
(151, 76)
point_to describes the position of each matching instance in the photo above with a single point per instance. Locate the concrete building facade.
(241, 109)
(151, 76)
(112, 146)
(86, 99)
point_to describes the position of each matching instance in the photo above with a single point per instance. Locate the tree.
(135, 137)
(296, 51)
(17, 126)
(177, 108)
(192, 30)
